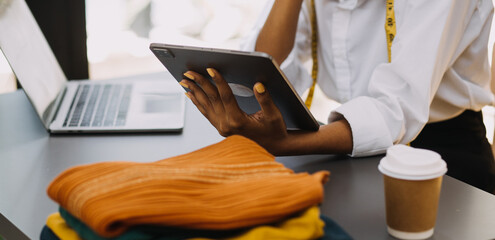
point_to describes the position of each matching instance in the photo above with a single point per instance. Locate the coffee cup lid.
(404, 162)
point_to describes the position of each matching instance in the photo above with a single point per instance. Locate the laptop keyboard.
(99, 105)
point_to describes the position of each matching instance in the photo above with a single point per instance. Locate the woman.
(422, 81)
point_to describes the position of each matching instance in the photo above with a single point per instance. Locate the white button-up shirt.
(439, 64)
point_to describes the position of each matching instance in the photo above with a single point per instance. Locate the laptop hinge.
(53, 108)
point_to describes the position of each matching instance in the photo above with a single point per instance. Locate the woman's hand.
(219, 106)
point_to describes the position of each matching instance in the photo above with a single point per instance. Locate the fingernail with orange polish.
(259, 87)
(211, 72)
(187, 95)
(184, 84)
(188, 75)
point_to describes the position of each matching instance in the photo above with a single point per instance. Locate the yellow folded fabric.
(58, 226)
(306, 226)
(232, 184)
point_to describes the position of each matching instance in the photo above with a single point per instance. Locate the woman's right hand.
(219, 106)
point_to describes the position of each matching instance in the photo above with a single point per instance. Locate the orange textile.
(231, 184)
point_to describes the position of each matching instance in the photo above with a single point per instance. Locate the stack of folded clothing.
(230, 190)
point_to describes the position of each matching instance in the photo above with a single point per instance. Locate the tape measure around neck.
(390, 31)
(314, 53)
(390, 27)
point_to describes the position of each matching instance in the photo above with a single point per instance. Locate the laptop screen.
(29, 55)
(8, 231)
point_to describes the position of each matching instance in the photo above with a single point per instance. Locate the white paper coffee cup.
(412, 180)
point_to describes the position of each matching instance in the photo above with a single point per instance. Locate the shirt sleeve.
(293, 66)
(429, 39)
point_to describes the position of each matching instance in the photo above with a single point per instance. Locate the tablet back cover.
(241, 70)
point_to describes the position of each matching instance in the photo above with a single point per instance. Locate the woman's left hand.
(219, 106)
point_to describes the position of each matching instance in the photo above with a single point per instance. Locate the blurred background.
(115, 35)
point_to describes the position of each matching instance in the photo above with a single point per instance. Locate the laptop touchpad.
(160, 103)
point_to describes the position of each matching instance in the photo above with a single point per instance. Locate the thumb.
(265, 100)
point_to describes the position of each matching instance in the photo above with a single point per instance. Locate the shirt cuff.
(370, 133)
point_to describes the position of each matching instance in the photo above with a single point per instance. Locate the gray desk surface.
(30, 158)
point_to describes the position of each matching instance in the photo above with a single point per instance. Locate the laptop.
(152, 105)
(8, 231)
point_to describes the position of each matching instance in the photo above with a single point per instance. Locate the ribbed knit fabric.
(232, 184)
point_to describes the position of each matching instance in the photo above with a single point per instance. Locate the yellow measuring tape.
(314, 54)
(390, 27)
(390, 31)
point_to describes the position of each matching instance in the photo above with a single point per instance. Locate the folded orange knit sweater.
(232, 184)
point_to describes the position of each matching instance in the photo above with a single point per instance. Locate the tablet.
(241, 70)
